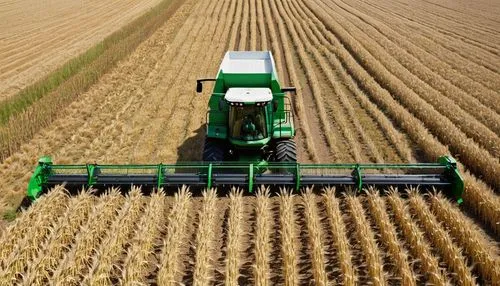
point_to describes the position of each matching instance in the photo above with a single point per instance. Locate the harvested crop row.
(350, 130)
(182, 102)
(427, 84)
(281, 49)
(472, 155)
(314, 85)
(444, 79)
(318, 41)
(453, 49)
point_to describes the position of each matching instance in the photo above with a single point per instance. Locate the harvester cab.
(249, 142)
(249, 117)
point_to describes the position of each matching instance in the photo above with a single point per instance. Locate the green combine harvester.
(249, 142)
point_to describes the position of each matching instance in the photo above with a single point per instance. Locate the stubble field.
(38, 36)
(377, 81)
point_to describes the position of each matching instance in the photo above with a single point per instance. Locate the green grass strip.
(35, 107)
(26, 97)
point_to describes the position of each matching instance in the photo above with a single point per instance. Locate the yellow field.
(377, 81)
(38, 36)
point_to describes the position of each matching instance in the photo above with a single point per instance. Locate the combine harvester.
(249, 142)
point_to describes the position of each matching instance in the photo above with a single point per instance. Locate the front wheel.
(286, 151)
(213, 151)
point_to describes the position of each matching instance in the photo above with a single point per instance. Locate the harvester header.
(442, 175)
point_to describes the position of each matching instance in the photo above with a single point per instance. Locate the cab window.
(247, 122)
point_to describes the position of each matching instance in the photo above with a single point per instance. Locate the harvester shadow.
(192, 148)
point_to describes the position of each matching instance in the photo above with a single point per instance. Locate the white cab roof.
(248, 94)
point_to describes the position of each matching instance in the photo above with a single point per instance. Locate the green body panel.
(39, 177)
(279, 123)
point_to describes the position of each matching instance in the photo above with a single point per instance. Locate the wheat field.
(317, 236)
(377, 81)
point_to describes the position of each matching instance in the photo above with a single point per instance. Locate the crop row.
(140, 239)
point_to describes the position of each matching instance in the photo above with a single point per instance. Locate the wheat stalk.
(367, 241)
(72, 267)
(288, 237)
(39, 229)
(390, 238)
(111, 248)
(234, 239)
(135, 265)
(339, 234)
(204, 240)
(418, 246)
(262, 237)
(53, 249)
(22, 225)
(451, 254)
(316, 240)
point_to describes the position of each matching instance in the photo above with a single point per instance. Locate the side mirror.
(275, 105)
(199, 86)
(289, 89)
(221, 105)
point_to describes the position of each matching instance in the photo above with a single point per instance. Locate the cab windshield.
(247, 122)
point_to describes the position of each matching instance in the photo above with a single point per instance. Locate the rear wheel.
(213, 151)
(286, 151)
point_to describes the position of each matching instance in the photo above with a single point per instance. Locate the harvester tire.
(286, 151)
(213, 151)
(25, 204)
